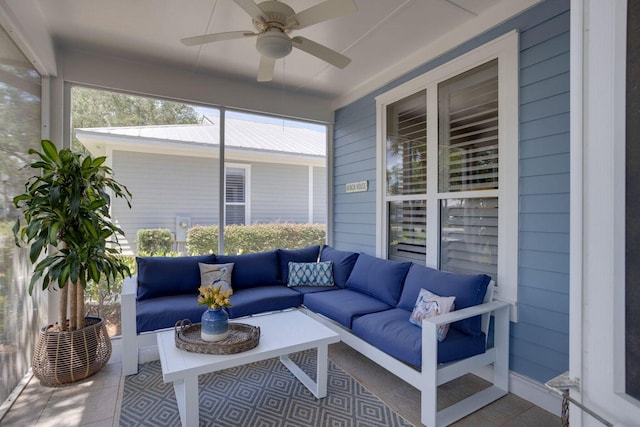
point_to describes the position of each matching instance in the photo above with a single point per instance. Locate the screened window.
(448, 140)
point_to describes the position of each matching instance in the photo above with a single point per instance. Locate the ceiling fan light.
(274, 44)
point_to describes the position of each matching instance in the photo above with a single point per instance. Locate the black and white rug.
(262, 394)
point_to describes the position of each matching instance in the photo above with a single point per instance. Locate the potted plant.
(73, 240)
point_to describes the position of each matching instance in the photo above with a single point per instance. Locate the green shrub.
(245, 239)
(154, 241)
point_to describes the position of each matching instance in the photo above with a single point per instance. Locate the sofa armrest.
(466, 313)
(130, 287)
(128, 325)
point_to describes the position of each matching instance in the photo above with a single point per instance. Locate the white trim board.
(529, 390)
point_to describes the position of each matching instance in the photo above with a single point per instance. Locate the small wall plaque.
(356, 187)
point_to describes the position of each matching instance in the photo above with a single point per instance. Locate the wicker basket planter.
(70, 356)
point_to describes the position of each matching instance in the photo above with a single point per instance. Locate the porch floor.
(96, 401)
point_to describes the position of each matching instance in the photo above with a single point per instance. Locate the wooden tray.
(242, 337)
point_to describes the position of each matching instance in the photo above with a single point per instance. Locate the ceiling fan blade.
(319, 51)
(266, 69)
(210, 38)
(324, 11)
(251, 8)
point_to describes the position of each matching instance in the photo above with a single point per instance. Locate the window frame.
(247, 191)
(506, 50)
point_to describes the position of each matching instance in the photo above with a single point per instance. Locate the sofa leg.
(429, 373)
(129, 360)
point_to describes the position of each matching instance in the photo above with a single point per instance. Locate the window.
(447, 167)
(236, 195)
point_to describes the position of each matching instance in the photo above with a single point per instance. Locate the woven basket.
(70, 356)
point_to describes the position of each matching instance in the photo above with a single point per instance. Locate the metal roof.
(239, 134)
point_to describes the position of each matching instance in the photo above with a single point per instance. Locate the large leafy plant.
(66, 217)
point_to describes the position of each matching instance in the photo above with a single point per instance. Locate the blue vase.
(215, 325)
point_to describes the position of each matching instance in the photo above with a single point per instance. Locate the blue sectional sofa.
(368, 304)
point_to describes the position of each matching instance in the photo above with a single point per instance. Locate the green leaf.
(51, 151)
(34, 251)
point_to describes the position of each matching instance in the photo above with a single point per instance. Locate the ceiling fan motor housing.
(274, 44)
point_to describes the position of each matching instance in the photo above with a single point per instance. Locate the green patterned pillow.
(310, 274)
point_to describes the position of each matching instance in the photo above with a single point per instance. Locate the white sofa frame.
(425, 380)
(132, 342)
(434, 374)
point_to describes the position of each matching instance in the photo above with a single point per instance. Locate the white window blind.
(468, 123)
(469, 236)
(407, 146)
(407, 230)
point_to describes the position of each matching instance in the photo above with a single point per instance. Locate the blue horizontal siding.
(540, 338)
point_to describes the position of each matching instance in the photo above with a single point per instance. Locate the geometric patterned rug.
(262, 394)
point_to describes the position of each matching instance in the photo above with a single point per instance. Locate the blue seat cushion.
(343, 305)
(469, 290)
(379, 278)
(308, 254)
(164, 312)
(261, 299)
(250, 270)
(164, 276)
(391, 332)
(343, 262)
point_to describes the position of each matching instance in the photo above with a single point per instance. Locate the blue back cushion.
(343, 262)
(378, 277)
(250, 270)
(163, 276)
(469, 290)
(309, 254)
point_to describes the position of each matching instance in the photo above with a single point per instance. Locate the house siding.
(279, 193)
(540, 338)
(319, 195)
(188, 182)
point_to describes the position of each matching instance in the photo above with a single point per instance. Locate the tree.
(99, 108)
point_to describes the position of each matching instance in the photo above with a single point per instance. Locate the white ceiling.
(381, 35)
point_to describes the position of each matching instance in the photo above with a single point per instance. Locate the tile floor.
(95, 402)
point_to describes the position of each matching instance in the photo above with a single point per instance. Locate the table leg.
(321, 370)
(186, 391)
(318, 388)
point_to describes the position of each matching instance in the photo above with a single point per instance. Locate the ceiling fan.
(273, 20)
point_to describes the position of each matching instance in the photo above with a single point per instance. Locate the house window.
(447, 163)
(236, 194)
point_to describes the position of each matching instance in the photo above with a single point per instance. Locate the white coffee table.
(281, 334)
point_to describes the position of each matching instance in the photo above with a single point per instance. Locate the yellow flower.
(214, 297)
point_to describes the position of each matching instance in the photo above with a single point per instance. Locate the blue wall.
(540, 339)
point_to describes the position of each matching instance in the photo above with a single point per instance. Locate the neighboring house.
(273, 173)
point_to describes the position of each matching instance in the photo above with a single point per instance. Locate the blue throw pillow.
(163, 276)
(469, 290)
(250, 270)
(379, 278)
(310, 274)
(308, 254)
(343, 262)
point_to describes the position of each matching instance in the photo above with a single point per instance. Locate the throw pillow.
(429, 305)
(310, 274)
(216, 274)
